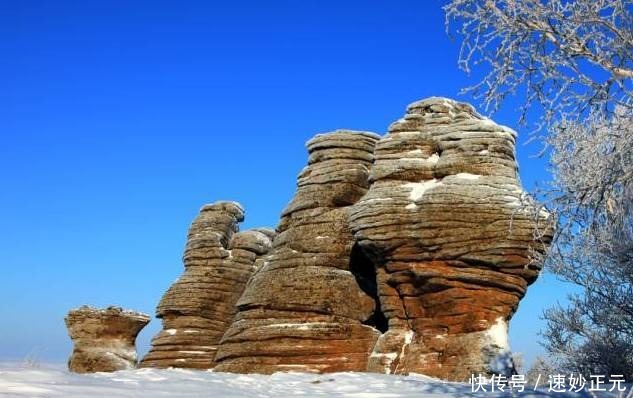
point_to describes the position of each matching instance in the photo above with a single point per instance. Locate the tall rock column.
(449, 231)
(199, 306)
(304, 309)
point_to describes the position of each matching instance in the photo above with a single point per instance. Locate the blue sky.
(119, 119)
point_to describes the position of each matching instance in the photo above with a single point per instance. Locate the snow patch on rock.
(433, 158)
(408, 338)
(298, 326)
(498, 334)
(374, 200)
(386, 359)
(418, 189)
(467, 176)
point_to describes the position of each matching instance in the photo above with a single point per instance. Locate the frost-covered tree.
(539, 372)
(570, 63)
(569, 57)
(594, 192)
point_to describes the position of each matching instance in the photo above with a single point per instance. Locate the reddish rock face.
(449, 229)
(198, 308)
(303, 310)
(407, 253)
(104, 339)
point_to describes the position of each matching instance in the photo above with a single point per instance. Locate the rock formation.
(198, 307)
(303, 309)
(104, 339)
(450, 231)
(406, 253)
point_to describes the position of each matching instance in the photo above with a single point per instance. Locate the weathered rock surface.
(303, 310)
(198, 307)
(104, 339)
(449, 230)
(406, 253)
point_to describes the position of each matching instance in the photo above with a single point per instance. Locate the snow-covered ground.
(46, 381)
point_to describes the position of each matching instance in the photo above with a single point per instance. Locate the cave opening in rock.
(364, 270)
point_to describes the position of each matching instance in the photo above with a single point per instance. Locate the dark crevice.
(364, 270)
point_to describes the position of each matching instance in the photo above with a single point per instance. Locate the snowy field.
(47, 381)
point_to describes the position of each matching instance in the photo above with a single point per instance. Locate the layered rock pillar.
(104, 339)
(198, 308)
(406, 253)
(449, 231)
(304, 310)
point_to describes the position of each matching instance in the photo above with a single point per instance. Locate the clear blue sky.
(119, 119)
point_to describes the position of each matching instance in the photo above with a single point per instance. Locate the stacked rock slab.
(198, 307)
(104, 339)
(450, 231)
(303, 310)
